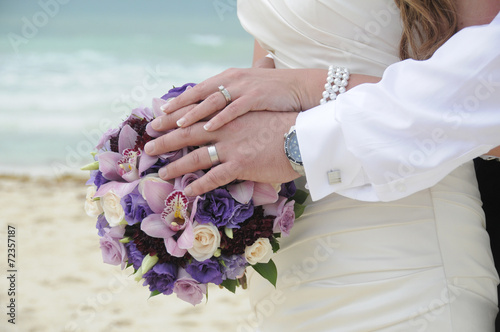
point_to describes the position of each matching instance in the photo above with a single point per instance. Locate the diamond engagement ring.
(226, 94)
(214, 157)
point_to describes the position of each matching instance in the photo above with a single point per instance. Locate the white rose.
(259, 252)
(206, 241)
(113, 210)
(92, 208)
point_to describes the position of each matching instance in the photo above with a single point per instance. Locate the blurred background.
(69, 69)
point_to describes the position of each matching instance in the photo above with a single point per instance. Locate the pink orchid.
(171, 221)
(260, 193)
(129, 163)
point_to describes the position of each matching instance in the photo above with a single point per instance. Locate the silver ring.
(214, 157)
(226, 94)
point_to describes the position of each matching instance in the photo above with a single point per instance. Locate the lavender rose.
(219, 208)
(161, 278)
(285, 215)
(188, 289)
(113, 251)
(206, 271)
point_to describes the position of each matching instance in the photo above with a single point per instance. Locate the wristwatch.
(292, 151)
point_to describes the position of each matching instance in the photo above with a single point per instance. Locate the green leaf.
(300, 196)
(154, 293)
(268, 271)
(298, 209)
(275, 244)
(230, 285)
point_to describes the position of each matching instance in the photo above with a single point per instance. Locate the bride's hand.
(248, 148)
(250, 89)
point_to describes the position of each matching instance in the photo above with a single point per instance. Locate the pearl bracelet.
(336, 83)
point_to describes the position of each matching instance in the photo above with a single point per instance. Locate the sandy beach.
(61, 283)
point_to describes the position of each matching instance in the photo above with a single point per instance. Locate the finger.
(213, 103)
(199, 92)
(237, 108)
(169, 121)
(181, 137)
(196, 160)
(216, 177)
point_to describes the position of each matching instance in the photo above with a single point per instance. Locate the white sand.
(62, 284)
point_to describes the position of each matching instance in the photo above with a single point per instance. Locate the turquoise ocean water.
(71, 69)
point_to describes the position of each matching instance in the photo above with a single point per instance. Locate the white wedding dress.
(422, 263)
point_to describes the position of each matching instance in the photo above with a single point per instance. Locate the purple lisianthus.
(135, 207)
(135, 257)
(219, 208)
(161, 278)
(101, 224)
(188, 289)
(234, 266)
(288, 189)
(207, 271)
(113, 251)
(172, 93)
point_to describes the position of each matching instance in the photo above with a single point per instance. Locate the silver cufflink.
(334, 176)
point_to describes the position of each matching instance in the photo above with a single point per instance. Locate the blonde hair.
(427, 24)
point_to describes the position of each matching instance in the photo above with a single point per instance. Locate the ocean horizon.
(71, 70)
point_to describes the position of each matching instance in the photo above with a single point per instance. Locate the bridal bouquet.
(176, 243)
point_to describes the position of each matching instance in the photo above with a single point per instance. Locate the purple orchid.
(129, 163)
(171, 224)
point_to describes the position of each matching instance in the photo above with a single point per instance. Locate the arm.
(443, 112)
(260, 57)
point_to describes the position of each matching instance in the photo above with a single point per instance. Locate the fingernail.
(180, 122)
(165, 106)
(188, 191)
(149, 147)
(163, 172)
(207, 126)
(156, 123)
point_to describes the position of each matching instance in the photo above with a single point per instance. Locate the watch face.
(292, 148)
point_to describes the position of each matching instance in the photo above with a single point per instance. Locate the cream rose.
(113, 210)
(259, 252)
(206, 241)
(92, 208)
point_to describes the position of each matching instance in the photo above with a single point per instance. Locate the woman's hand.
(250, 147)
(250, 89)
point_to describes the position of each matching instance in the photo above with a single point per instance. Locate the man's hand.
(251, 147)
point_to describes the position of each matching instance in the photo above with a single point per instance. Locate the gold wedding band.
(226, 94)
(214, 157)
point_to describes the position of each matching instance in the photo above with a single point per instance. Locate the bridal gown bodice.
(422, 263)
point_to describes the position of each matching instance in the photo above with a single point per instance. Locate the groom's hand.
(250, 147)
